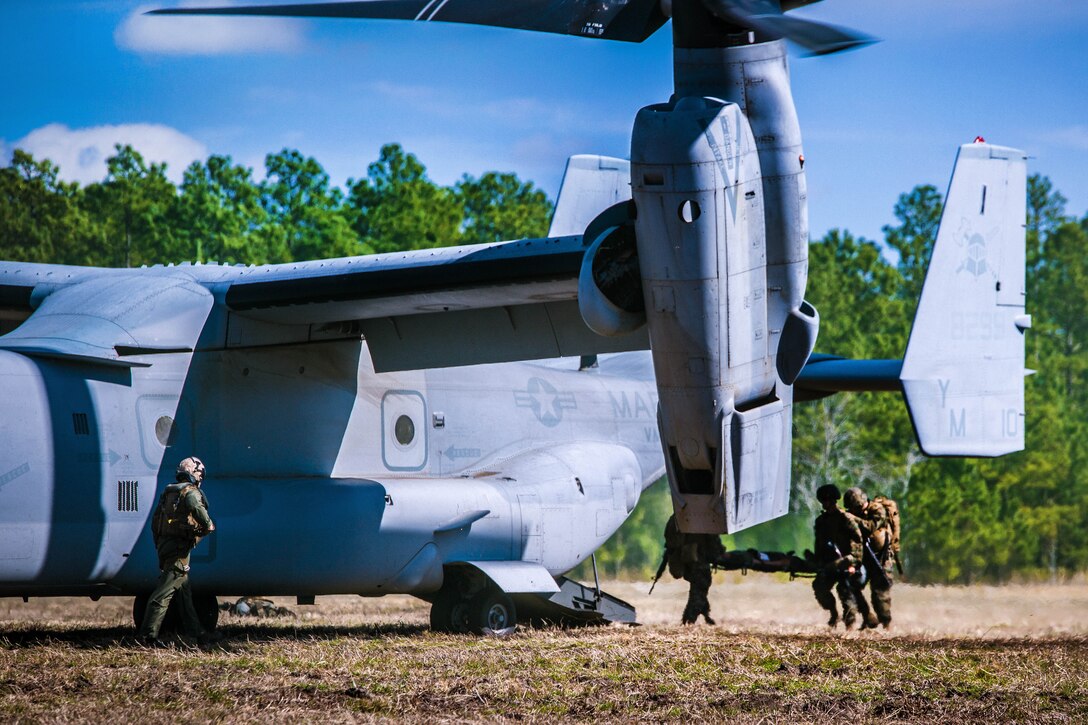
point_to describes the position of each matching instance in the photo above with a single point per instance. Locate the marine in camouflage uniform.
(876, 531)
(838, 556)
(173, 554)
(690, 557)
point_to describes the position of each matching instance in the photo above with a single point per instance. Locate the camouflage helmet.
(855, 498)
(827, 492)
(191, 466)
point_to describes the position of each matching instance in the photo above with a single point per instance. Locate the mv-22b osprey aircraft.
(378, 424)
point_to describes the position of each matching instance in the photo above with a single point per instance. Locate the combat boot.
(153, 642)
(209, 638)
(870, 621)
(833, 619)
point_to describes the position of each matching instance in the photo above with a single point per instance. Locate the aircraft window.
(689, 211)
(404, 430)
(164, 429)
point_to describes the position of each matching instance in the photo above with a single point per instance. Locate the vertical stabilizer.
(591, 184)
(963, 373)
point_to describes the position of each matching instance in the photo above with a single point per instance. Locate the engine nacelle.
(724, 412)
(721, 231)
(609, 283)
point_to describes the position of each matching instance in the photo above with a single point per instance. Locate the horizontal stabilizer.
(963, 372)
(827, 374)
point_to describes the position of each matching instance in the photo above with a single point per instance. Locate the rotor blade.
(766, 17)
(817, 38)
(628, 20)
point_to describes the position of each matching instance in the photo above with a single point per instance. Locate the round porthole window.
(404, 430)
(689, 211)
(164, 429)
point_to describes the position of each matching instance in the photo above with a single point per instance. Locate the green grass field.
(972, 654)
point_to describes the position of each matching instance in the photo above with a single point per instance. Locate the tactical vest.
(168, 520)
(893, 522)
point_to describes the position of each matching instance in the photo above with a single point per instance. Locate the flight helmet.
(191, 466)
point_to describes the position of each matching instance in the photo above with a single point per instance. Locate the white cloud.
(81, 153)
(206, 35)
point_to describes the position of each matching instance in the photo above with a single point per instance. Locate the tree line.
(219, 212)
(964, 520)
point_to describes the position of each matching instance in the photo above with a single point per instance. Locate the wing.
(431, 308)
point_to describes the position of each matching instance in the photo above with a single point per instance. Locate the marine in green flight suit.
(180, 530)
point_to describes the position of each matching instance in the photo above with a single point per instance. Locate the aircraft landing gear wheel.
(139, 609)
(207, 610)
(450, 613)
(206, 605)
(170, 623)
(442, 613)
(492, 609)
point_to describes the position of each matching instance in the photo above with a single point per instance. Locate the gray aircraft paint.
(306, 486)
(525, 466)
(975, 303)
(344, 466)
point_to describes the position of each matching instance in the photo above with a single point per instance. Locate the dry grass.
(973, 654)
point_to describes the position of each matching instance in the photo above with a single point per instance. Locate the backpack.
(168, 521)
(893, 522)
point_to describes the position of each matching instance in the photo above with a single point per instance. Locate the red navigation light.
(979, 139)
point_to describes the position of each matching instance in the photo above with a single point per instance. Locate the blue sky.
(81, 75)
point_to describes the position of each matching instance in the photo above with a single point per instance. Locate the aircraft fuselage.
(324, 476)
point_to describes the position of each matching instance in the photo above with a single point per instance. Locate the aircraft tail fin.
(591, 184)
(963, 372)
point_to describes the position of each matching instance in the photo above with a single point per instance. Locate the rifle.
(850, 570)
(873, 562)
(835, 549)
(660, 571)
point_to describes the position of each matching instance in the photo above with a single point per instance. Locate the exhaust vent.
(79, 422)
(128, 495)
